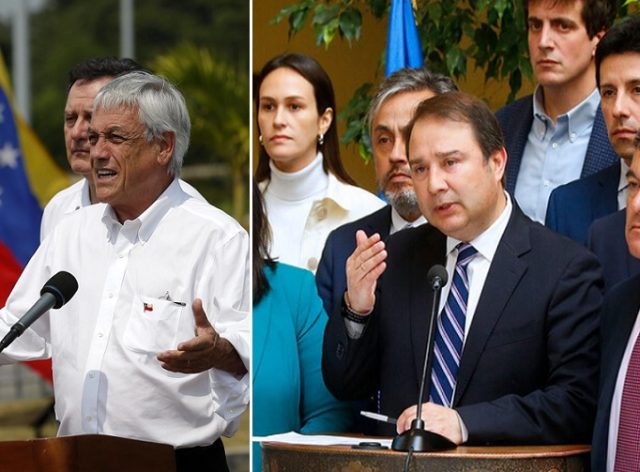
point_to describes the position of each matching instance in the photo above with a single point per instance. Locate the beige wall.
(348, 67)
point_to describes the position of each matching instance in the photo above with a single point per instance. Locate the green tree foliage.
(218, 99)
(455, 35)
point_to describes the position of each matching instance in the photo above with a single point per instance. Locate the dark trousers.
(209, 458)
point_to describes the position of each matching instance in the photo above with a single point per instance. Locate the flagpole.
(127, 29)
(21, 59)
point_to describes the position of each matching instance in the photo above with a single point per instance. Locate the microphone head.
(437, 277)
(62, 286)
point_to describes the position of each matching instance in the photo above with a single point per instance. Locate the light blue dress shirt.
(554, 154)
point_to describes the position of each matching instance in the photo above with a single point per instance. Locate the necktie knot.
(466, 252)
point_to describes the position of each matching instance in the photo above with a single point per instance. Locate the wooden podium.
(278, 457)
(95, 453)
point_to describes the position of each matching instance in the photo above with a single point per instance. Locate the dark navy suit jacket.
(619, 311)
(607, 241)
(574, 206)
(528, 372)
(516, 119)
(331, 277)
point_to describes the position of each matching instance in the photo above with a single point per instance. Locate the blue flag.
(403, 43)
(20, 212)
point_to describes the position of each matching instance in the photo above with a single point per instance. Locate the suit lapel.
(431, 250)
(380, 222)
(515, 146)
(600, 154)
(507, 268)
(624, 321)
(606, 200)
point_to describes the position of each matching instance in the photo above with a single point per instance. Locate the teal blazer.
(289, 393)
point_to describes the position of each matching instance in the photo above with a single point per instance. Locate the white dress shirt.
(76, 196)
(137, 282)
(304, 207)
(623, 185)
(616, 400)
(399, 223)
(486, 244)
(63, 203)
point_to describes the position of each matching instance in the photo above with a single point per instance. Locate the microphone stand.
(417, 439)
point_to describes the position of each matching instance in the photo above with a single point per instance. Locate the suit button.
(312, 263)
(340, 351)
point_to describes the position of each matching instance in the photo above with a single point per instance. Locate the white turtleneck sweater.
(304, 206)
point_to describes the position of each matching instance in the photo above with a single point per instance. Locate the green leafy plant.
(216, 94)
(455, 35)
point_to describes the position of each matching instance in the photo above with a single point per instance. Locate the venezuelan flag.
(28, 179)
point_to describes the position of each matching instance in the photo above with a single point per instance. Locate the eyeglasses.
(111, 137)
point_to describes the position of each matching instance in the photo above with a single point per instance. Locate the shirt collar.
(85, 198)
(624, 168)
(487, 243)
(578, 120)
(398, 222)
(144, 225)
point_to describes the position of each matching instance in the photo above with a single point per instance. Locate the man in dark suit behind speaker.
(389, 112)
(617, 428)
(516, 352)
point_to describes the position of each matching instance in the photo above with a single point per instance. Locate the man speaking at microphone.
(155, 343)
(516, 349)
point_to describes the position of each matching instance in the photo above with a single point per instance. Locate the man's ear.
(167, 143)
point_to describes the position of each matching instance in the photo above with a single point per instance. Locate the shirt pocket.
(153, 325)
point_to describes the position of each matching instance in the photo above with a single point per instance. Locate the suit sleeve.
(350, 366)
(563, 410)
(321, 412)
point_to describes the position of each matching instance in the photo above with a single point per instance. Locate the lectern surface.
(95, 453)
(278, 457)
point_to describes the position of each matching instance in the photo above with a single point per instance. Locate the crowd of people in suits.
(537, 332)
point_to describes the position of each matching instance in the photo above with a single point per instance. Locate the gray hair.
(408, 80)
(161, 108)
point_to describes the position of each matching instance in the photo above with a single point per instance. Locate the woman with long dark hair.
(306, 189)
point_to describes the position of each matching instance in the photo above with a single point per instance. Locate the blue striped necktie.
(450, 333)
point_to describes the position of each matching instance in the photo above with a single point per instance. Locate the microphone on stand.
(416, 438)
(56, 292)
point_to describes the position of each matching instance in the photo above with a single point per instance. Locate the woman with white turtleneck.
(307, 191)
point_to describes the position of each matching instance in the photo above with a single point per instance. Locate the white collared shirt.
(616, 399)
(137, 282)
(63, 203)
(398, 222)
(486, 244)
(623, 185)
(76, 196)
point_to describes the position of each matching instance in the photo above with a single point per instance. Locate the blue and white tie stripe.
(450, 333)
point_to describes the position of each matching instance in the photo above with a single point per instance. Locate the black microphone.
(56, 292)
(416, 438)
(437, 277)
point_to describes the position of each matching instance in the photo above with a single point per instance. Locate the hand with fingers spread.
(364, 267)
(437, 419)
(207, 350)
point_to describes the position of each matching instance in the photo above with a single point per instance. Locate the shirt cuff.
(464, 432)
